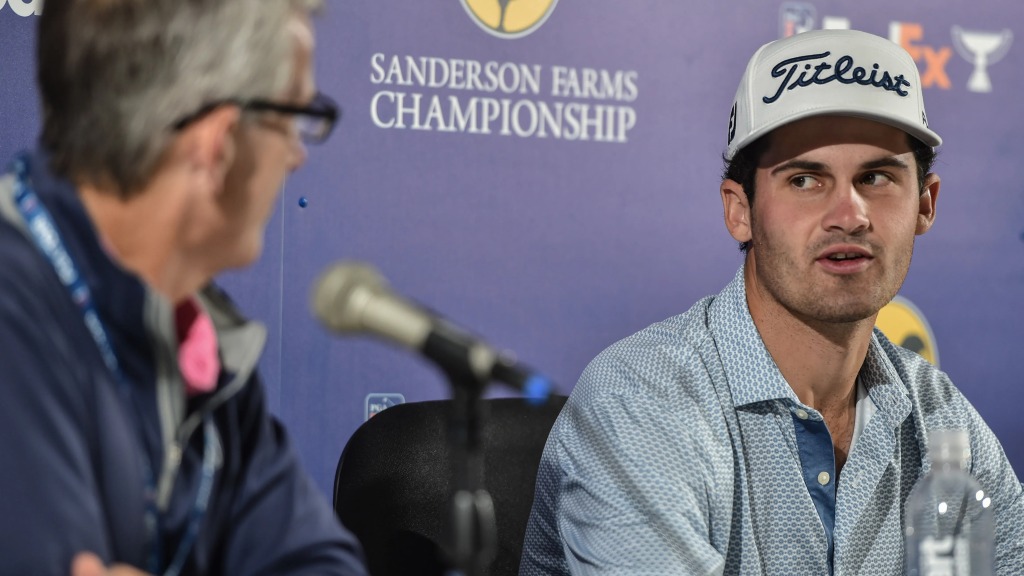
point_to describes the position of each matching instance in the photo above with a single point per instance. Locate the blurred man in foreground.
(770, 429)
(134, 429)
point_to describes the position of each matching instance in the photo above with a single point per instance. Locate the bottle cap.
(949, 446)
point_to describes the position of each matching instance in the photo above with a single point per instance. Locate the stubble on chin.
(814, 296)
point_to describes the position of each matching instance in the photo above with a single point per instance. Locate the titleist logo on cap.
(828, 72)
(844, 70)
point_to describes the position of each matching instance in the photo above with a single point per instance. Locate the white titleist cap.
(842, 72)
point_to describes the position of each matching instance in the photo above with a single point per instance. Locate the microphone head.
(341, 293)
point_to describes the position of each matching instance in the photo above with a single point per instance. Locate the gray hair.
(116, 75)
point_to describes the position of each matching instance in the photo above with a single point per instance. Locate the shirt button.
(801, 414)
(823, 478)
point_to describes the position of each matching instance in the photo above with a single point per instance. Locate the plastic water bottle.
(949, 525)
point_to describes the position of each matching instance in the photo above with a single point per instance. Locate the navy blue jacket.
(74, 444)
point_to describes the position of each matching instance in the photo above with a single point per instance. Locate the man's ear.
(211, 145)
(926, 204)
(737, 210)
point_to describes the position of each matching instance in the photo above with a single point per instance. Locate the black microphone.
(352, 297)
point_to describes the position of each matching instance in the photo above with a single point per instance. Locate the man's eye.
(876, 179)
(804, 182)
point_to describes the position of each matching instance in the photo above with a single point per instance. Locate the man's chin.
(845, 313)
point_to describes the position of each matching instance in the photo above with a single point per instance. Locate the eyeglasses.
(314, 121)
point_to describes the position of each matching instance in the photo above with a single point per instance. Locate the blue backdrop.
(554, 185)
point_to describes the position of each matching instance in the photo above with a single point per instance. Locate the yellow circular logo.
(905, 325)
(509, 18)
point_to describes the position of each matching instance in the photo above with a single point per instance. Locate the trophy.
(981, 49)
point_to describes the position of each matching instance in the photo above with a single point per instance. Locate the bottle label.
(946, 556)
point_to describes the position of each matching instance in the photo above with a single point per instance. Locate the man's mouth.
(840, 256)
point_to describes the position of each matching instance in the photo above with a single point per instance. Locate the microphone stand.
(473, 531)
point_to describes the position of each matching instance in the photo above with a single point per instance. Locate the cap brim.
(926, 135)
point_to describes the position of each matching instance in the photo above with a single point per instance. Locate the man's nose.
(848, 211)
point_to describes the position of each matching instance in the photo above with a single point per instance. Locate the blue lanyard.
(47, 238)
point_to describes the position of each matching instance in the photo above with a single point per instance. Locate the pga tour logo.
(378, 402)
(24, 8)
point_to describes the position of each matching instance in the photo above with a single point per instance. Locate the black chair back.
(394, 481)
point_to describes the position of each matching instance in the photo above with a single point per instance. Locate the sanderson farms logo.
(449, 93)
(463, 95)
(509, 18)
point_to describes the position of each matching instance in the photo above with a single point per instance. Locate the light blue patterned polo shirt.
(677, 453)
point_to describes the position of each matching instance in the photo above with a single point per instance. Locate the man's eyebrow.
(887, 162)
(799, 165)
(810, 166)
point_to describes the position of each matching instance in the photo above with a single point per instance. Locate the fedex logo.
(24, 8)
(909, 35)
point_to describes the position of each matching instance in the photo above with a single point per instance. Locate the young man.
(770, 429)
(134, 430)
